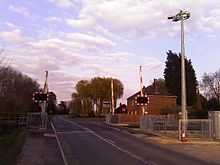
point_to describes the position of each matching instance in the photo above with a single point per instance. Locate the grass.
(11, 144)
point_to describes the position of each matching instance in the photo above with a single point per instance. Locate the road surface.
(92, 142)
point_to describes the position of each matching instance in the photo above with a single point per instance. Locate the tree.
(52, 102)
(75, 105)
(101, 89)
(96, 90)
(159, 86)
(172, 75)
(210, 86)
(63, 109)
(16, 91)
(83, 89)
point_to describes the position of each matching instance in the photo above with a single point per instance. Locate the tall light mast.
(182, 16)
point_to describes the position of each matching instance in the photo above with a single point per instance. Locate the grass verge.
(10, 146)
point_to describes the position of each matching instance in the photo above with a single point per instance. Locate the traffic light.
(39, 97)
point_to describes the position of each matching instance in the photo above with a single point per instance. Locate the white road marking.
(110, 141)
(108, 125)
(49, 135)
(112, 144)
(116, 129)
(59, 144)
(71, 132)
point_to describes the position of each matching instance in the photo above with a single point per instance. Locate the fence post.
(180, 126)
(210, 128)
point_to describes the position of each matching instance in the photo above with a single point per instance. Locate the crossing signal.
(39, 97)
(142, 100)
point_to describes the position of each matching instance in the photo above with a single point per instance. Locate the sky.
(81, 39)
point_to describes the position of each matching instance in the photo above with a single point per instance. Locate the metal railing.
(159, 122)
(9, 121)
(37, 120)
(197, 128)
(32, 120)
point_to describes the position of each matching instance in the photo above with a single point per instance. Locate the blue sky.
(79, 39)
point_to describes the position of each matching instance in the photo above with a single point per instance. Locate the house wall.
(157, 103)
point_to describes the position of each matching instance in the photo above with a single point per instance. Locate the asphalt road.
(92, 142)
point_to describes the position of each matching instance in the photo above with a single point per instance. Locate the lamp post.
(182, 16)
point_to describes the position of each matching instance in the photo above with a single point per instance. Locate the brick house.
(160, 101)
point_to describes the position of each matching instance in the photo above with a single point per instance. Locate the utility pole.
(182, 16)
(112, 94)
(141, 88)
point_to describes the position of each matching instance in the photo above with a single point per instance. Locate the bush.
(10, 146)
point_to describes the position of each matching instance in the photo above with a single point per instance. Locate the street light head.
(182, 15)
(170, 17)
(185, 15)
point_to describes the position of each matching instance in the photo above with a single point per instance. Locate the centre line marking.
(71, 132)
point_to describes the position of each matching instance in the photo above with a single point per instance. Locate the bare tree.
(211, 85)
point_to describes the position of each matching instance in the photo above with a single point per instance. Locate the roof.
(152, 90)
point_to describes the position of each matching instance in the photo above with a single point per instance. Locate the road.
(91, 141)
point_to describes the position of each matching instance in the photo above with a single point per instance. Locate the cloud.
(12, 36)
(68, 60)
(211, 22)
(11, 25)
(133, 18)
(87, 23)
(20, 10)
(143, 19)
(53, 19)
(63, 3)
(92, 40)
(60, 56)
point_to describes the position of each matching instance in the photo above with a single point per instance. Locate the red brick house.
(159, 100)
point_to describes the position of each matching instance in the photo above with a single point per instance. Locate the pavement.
(88, 141)
(40, 148)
